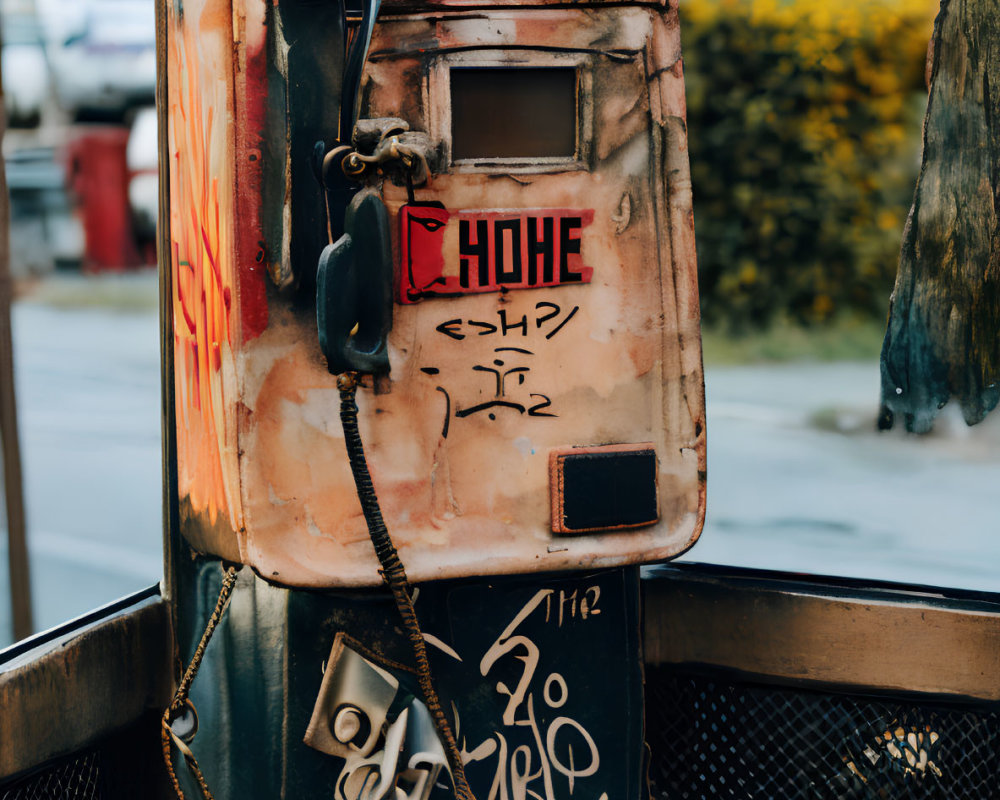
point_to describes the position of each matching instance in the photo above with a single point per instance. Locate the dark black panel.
(569, 642)
(608, 490)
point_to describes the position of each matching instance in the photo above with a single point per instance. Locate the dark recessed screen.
(609, 490)
(513, 112)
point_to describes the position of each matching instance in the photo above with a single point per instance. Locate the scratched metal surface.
(484, 385)
(537, 708)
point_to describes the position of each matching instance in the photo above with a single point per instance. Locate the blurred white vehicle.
(102, 53)
(24, 66)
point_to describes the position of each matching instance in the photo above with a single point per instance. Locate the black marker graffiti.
(505, 326)
(549, 319)
(448, 329)
(500, 375)
(447, 411)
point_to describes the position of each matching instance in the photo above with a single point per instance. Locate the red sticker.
(496, 250)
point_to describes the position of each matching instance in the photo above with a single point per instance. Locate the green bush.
(804, 122)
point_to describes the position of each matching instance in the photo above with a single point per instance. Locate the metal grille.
(75, 778)
(718, 739)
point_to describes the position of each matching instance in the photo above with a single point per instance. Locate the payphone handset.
(525, 317)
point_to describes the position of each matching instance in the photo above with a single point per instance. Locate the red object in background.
(99, 177)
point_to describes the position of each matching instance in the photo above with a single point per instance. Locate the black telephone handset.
(354, 276)
(354, 290)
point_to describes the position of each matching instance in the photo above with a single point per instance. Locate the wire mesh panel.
(75, 778)
(717, 739)
(124, 765)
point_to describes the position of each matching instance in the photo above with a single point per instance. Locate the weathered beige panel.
(477, 502)
(612, 359)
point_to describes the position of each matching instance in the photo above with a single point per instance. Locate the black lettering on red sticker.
(497, 250)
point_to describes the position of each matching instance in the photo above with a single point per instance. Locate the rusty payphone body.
(543, 406)
(486, 222)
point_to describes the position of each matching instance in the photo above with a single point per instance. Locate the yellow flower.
(822, 306)
(886, 220)
(748, 272)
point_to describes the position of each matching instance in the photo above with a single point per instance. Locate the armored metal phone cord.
(181, 704)
(394, 575)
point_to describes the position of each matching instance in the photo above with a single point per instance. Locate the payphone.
(540, 405)
(487, 233)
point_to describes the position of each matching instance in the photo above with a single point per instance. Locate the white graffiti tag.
(561, 754)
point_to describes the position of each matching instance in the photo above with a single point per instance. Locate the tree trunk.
(944, 315)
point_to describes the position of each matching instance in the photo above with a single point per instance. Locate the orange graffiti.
(202, 254)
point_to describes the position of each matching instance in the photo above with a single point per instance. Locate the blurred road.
(798, 478)
(88, 388)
